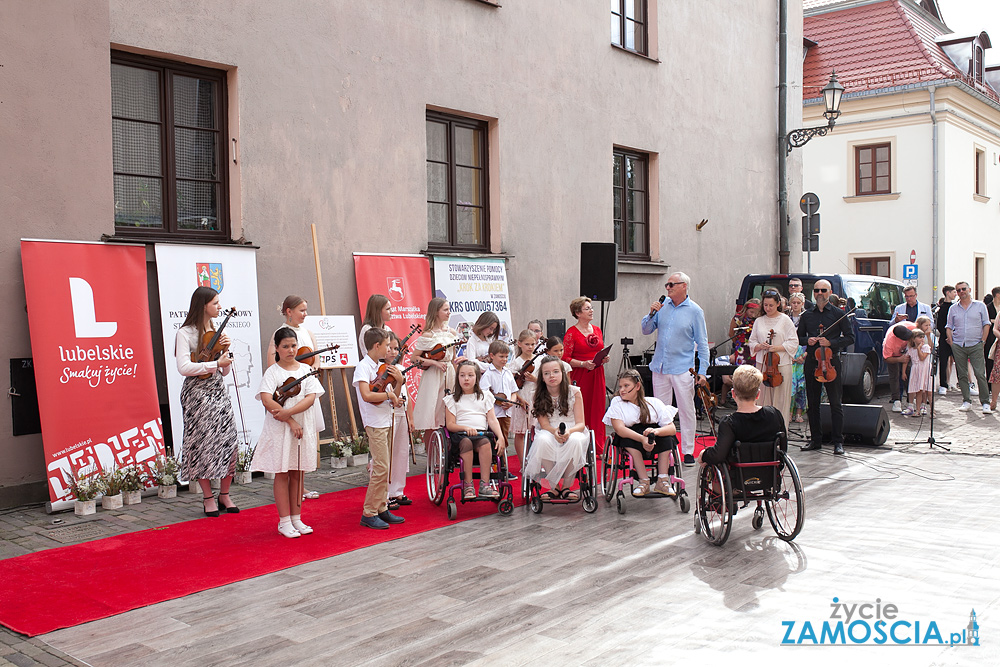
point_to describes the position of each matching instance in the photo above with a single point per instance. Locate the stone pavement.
(29, 529)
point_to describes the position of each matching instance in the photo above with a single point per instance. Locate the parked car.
(875, 297)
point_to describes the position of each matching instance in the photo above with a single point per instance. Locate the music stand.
(931, 442)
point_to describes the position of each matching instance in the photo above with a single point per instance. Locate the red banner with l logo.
(92, 351)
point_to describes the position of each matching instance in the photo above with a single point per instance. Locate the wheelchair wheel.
(589, 504)
(715, 503)
(535, 504)
(452, 510)
(437, 467)
(787, 508)
(758, 518)
(506, 507)
(684, 502)
(589, 484)
(620, 503)
(610, 477)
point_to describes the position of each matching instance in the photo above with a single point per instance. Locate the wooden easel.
(327, 374)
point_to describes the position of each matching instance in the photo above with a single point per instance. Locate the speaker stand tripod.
(931, 442)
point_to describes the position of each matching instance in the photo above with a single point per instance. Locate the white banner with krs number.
(472, 287)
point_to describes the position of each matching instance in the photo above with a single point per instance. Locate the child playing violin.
(520, 421)
(499, 381)
(400, 444)
(472, 423)
(287, 443)
(428, 412)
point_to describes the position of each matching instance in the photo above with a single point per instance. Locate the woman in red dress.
(583, 340)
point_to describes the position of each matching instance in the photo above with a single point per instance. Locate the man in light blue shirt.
(968, 326)
(911, 309)
(681, 330)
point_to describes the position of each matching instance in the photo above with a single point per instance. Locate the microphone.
(562, 428)
(663, 297)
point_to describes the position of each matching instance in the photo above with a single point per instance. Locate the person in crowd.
(910, 309)
(824, 329)
(295, 309)
(499, 381)
(925, 324)
(288, 441)
(894, 352)
(921, 380)
(796, 303)
(967, 329)
(400, 445)
(945, 360)
(795, 287)
(559, 447)
(995, 375)
(521, 420)
(751, 422)
(773, 332)
(554, 348)
(376, 414)
(210, 446)
(634, 418)
(438, 374)
(740, 328)
(473, 426)
(535, 327)
(681, 334)
(992, 301)
(378, 313)
(485, 331)
(581, 344)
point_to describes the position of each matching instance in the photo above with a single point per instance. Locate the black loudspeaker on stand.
(599, 271)
(864, 424)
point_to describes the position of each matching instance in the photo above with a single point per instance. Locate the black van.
(875, 298)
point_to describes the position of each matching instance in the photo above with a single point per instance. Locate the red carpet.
(67, 586)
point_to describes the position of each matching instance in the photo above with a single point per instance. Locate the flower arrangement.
(111, 481)
(349, 445)
(244, 459)
(165, 471)
(134, 478)
(83, 485)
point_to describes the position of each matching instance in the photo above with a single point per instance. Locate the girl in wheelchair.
(470, 420)
(559, 447)
(750, 422)
(634, 419)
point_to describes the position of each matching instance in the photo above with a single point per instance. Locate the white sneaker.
(966, 406)
(942, 391)
(986, 409)
(897, 406)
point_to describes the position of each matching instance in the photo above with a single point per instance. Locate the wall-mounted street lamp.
(831, 96)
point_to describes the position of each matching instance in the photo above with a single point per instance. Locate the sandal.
(310, 495)
(642, 489)
(205, 499)
(468, 491)
(570, 496)
(231, 509)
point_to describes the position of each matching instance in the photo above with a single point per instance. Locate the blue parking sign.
(909, 271)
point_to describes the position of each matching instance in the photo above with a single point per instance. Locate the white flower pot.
(167, 491)
(338, 462)
(244, 477)
(132, 497)
(112, 502)
(358, 460)
(194, 487)
(85, 507)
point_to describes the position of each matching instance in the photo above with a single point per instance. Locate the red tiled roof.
(874, 46)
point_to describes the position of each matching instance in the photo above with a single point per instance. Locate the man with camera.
(681, 331)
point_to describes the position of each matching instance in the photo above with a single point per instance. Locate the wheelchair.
(585, 476)
(619, 473)
(443, 458)
(756, 472)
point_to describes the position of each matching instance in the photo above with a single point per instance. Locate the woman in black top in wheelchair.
(750, 422)
(634, 418)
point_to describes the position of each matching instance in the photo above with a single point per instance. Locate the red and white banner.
(93, 356)
(406, 280)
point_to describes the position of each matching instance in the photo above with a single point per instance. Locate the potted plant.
(84, 488)
(133, 482)
(360, 448)
(165, 476)
(111, 485)
(243, 461)
(341, 451)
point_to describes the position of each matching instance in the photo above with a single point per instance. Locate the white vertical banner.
(472, 287)
(330, 330)
(232, 272)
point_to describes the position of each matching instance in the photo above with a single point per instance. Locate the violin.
(390, 382)
(383, 379)
(825, 372)
(436, 353)
(290, 387)
(772, 376)
(504, 402)
(211, 345)
(707, 399)
(308, 353)
(529, 366)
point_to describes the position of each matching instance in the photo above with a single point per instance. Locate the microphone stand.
(930, 441)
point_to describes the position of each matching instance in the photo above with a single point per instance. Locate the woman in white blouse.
(634, 418)
(784, 342)
(209, 443)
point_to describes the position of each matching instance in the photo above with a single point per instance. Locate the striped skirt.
(209, 444)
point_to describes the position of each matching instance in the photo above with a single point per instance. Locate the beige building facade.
(327, 112)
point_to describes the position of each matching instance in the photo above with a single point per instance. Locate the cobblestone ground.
(29, 529)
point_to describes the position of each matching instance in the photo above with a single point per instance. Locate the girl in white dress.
(560, 444)
(287, 443)
(378, 312)
(634, 418)
(428, 412)
(473, 425)
(784, 343)
(484, 331)
(520, 420)
(295, 309)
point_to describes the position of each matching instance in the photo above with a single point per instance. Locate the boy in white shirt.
(499, 381)
(376, 414)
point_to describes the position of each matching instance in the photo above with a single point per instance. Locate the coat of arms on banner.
(210, 275)
(395, 286)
